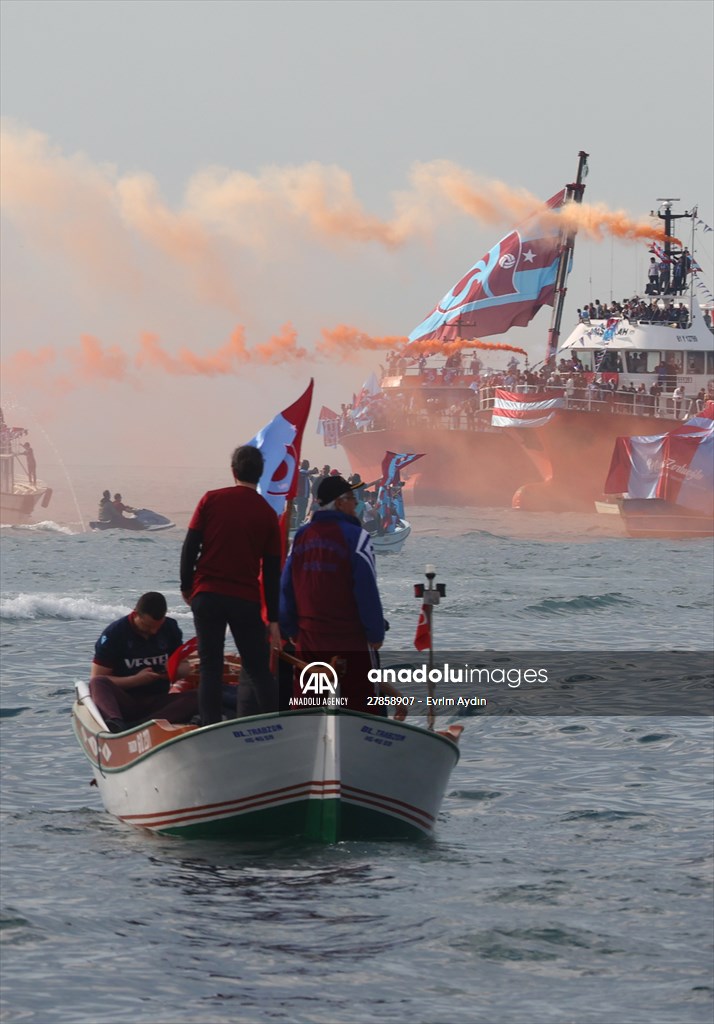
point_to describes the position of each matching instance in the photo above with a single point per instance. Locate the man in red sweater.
(233, 536)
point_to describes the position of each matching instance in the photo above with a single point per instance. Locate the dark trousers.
(258, 694)
(135, 705)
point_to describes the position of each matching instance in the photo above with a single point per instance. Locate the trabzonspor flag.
(280, 442)
(504, 289)
(392, 463)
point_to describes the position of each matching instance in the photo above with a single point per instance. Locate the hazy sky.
(199, 200)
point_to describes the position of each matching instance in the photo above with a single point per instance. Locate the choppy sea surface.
(570, 875)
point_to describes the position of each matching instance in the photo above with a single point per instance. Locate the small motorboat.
(666, 481)
(392, 543)
(655, 517)
(139, 519)
(323, 773)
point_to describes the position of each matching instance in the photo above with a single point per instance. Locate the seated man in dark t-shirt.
(128, 681)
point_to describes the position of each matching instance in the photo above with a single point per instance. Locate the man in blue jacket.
(329, 600)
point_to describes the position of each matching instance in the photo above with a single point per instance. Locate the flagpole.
(430, 595)
(574, 194)
(695, 210)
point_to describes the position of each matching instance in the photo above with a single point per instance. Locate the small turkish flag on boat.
(422, 640)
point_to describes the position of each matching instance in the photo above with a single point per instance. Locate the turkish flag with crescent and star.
(422, 640)
(280, 442)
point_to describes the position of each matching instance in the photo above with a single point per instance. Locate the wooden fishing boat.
(320, 773)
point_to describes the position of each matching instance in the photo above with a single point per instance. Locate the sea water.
(569, 877)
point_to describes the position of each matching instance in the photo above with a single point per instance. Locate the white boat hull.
(16, 507)
(392, 543)
(324, 775)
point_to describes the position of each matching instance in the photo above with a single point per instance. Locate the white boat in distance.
(323, 774)
(19, 495)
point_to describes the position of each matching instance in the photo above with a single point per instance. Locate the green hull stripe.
(323, 820)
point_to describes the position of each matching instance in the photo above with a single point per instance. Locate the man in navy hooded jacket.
(329, 600)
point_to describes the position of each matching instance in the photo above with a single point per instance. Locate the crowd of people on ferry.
(637, 310)
(597, 388)
(668, 276)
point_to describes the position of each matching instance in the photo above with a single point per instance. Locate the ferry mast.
(573, 194)
(664, 213)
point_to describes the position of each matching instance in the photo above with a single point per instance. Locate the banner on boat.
(677, 467)
(535, 410)
(328, 424)
(504, 289)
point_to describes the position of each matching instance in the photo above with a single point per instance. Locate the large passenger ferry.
(628, 368)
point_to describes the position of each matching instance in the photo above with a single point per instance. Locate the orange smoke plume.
(226, 359)
(346, 342)
(94, 362)
(433, 346)
(597, 221)
(94, 216)
(494, 201)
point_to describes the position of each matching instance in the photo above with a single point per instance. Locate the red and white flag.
(280, 442)
(533, 410)
(422, 640)
(180, 654)
(328, 424)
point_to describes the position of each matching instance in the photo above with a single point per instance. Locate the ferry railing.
(475, 415)
(663, 406)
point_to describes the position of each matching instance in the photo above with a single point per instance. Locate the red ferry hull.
(461, 467)
(577, 446)
(560, 467)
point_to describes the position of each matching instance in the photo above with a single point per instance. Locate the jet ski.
(140, 519)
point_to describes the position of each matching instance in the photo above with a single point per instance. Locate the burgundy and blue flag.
(393, 462)
(504, 289)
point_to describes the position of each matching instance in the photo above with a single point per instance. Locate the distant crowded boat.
(539, 439)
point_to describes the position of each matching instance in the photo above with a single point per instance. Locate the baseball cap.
(333, 487)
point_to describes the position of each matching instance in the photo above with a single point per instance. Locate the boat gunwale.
(231, 723)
